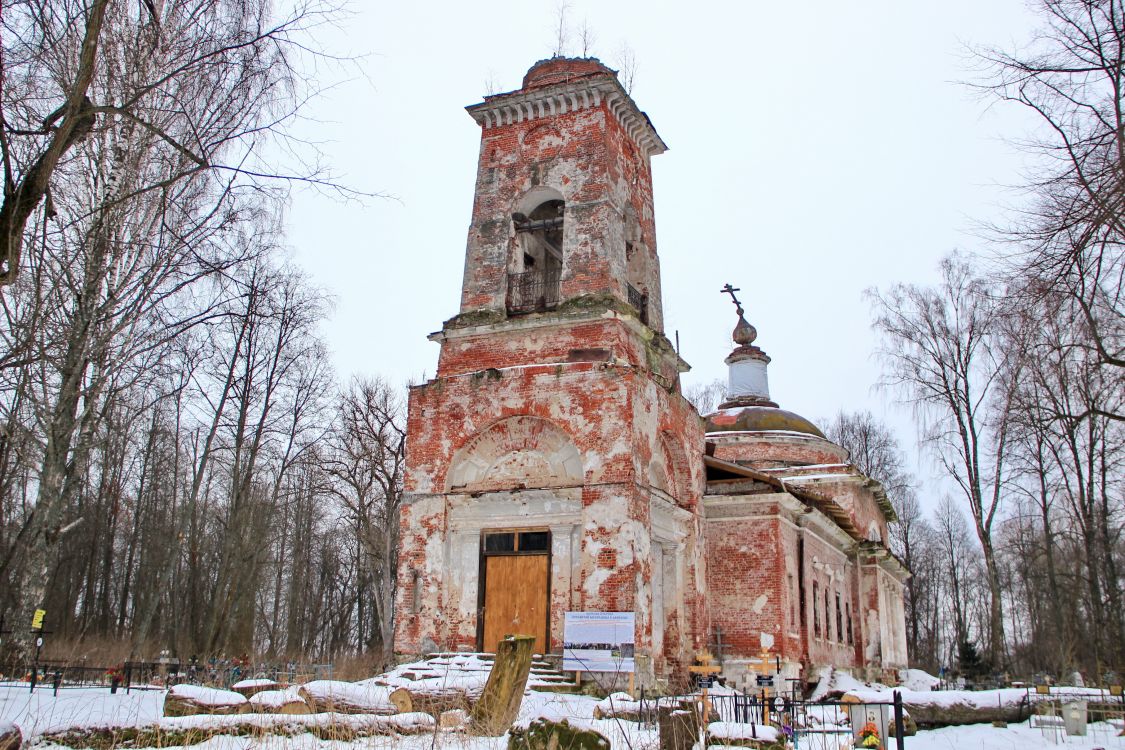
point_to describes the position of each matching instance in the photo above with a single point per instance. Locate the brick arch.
(536, 196)
(668, 469)
(516, 453)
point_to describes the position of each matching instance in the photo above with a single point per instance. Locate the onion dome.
(748, 407)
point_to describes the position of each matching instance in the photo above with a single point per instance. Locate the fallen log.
(333, 696)
(433, 702)
(249, 688)
(288, 701)
(189, 700)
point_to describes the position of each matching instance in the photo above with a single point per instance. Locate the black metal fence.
(142, 674)
(639, 300)
(533, 291)
(822, 725)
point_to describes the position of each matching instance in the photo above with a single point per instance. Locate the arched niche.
(668, 469)
(521, 452)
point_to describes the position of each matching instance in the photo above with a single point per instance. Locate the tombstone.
(861, 714)
(1074, 718)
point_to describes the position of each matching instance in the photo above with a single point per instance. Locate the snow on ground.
(1013, 737)
(917, 680)
(832, 682)
(978, 698)
(39, 712)
(74, 708)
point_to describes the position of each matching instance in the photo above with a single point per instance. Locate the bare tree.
(370, 456)
(1069, 238)
(561, 30)
(706, 397)
(626, 61)
(211, 80)
(943, 353)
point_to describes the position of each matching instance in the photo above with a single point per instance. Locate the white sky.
(816, 149)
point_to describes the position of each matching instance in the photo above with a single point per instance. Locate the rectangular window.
(534, 541)
(792, 602)
(503, 542)
(839, 620)
(827, 617)
(516, 542)
(816, 609)
(849, 607)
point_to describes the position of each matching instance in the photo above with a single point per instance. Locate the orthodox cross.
(728, 289)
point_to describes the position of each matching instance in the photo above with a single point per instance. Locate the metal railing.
(533, 291)
(639, 301)
(809, 725)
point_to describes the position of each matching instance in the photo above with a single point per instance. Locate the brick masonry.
(568, 417)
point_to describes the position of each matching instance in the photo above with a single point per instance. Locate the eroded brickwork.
(556, 407)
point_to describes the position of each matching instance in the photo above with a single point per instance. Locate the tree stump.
(543, 734)
(503, 693)
(679, 727)
(10, 737)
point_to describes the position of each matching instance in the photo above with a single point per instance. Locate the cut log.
(189, 700)
(288, 701)
(618, 706)
(503, 693)
(10, 736)
(333, 696)
(433, 702)
(248, 688)
(544, 734)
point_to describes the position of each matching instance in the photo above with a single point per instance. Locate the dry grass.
(146, 737)
(97, 652)
(354, 668)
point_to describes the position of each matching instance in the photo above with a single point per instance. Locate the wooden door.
(515, 599)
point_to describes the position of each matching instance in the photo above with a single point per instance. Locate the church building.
(553, 464)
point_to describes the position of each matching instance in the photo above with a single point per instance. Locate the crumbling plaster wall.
(618, 420)
(593, 163)
(830, 562)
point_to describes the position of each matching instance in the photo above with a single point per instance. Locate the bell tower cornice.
(572, 94)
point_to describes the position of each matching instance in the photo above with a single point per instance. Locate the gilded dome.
(759, 419)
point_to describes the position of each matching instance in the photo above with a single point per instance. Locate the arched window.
(636, 265)
(536, 269)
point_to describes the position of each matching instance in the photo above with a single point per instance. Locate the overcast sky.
(816, 149)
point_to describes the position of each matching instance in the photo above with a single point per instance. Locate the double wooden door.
(515, 594)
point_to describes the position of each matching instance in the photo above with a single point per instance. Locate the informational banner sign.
(598, 641)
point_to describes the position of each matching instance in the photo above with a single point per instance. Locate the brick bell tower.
(552, 463)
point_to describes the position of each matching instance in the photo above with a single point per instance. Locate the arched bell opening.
(535, 271)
